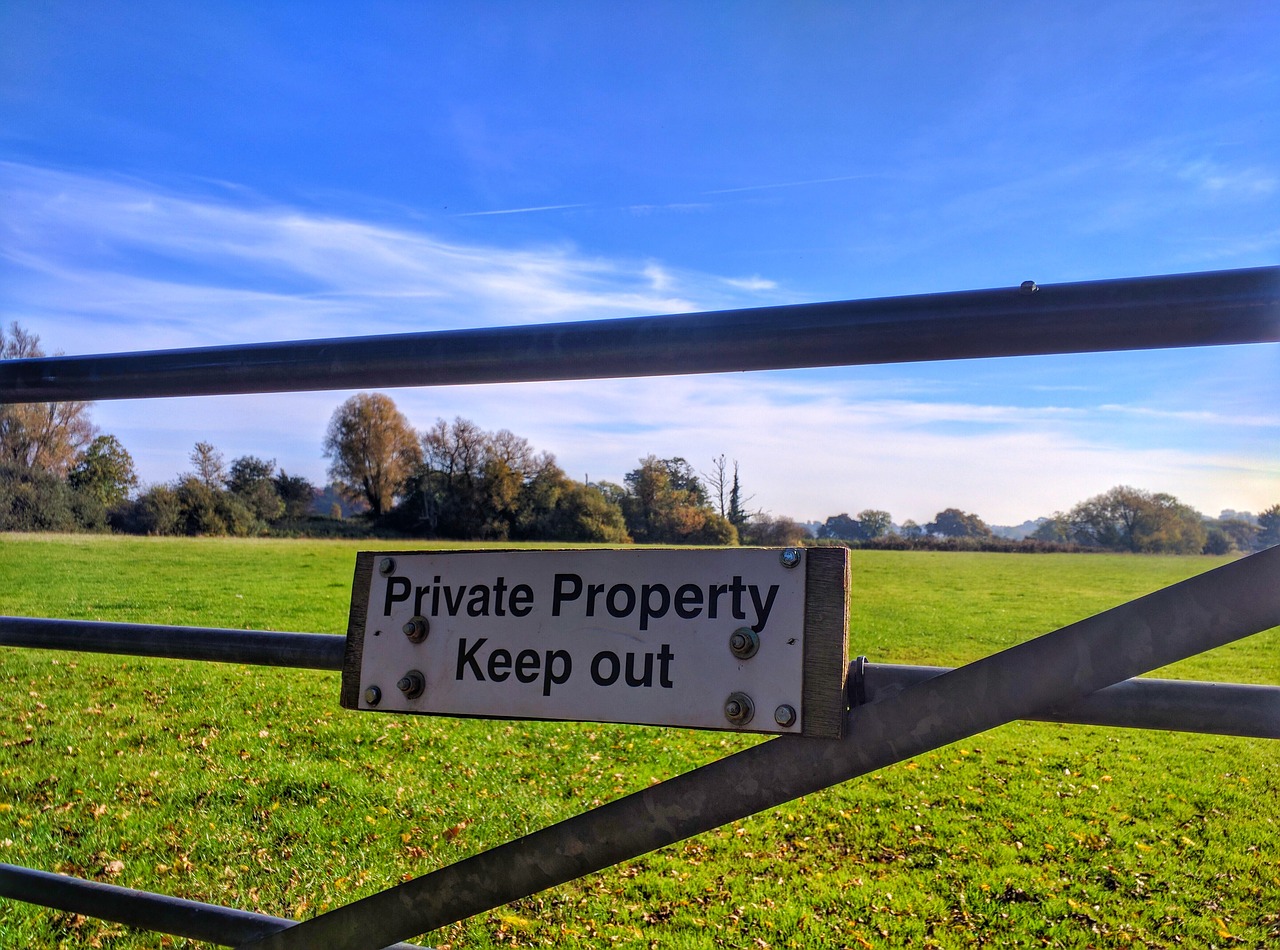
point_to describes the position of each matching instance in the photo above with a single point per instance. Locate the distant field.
(251, 787)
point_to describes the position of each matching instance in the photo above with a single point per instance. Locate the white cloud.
(99, 265)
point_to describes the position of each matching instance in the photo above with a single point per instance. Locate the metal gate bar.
(1206, 611)
(1238, 306)
(211, 923)
(1231, 709)
(315, 651)
(1224, 709)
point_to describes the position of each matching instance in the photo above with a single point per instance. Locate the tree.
(873, 523)
(373, 449)
(911, 530)
(765, 530)
(250, 479)
(665, 503)
(1056, 529)
(1130, 519)
(46, 436)
(738, 515)
(105, 471)
(954, 523)
(1269, 525)
(839, 527)
(211, 468)
(297, 494)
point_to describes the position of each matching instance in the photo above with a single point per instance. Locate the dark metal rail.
(211, 923)
(1220, 307)
(315, 651)
(1231, 602)
(1220, 708)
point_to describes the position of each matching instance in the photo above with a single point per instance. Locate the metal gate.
(1080, 673)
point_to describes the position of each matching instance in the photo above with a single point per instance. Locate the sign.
(747, 639)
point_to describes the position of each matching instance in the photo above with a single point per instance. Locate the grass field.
(251, 787)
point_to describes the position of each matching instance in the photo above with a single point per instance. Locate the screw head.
(790, 558)
(387, 566)
(416, 629)
(739, 709)
(372, 695)
(1028, 287)
(785, 715)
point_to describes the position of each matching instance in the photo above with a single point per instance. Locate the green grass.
(250, 786)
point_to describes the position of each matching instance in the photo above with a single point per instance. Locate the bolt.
(386, 566)
(372, 695)
(412, 684)
(743, 643)
(790, 558)
(1028, 287)
(416, 629)
(739, 709)
(785, 715)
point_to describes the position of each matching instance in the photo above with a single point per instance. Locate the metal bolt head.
(790, 558)
(386, 566)
(739, 709)
(412, 684)
(372, 695)
(785, 715)
(743, 643)
(416, 629)
(1028, 287)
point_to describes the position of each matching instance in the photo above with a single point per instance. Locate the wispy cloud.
(480, 214)
(97, 265)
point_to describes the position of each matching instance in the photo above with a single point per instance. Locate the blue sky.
(179, 174)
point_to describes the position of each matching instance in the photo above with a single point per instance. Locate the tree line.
(455, 480)
(1121, 519)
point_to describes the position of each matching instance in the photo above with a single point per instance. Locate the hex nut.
(417, 629)
(386, 566)
(744, 643)
(739, 709)
(790, 558)
(412, 684)
(372, 695)
(785, 715)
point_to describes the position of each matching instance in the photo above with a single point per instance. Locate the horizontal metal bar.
(211, 923)
(1225, 709)
(1205, 611)
(1221, 307)
(1176, 705)
(315, 651)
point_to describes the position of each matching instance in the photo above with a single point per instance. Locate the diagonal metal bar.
(210, 923)
(1207, 309)
(1234, 601)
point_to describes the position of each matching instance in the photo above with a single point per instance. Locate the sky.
(199, 174)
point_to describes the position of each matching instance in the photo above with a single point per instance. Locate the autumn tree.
(46, 436)
(373, 449)
(665, 503)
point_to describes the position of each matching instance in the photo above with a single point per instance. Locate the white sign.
(712, 639)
